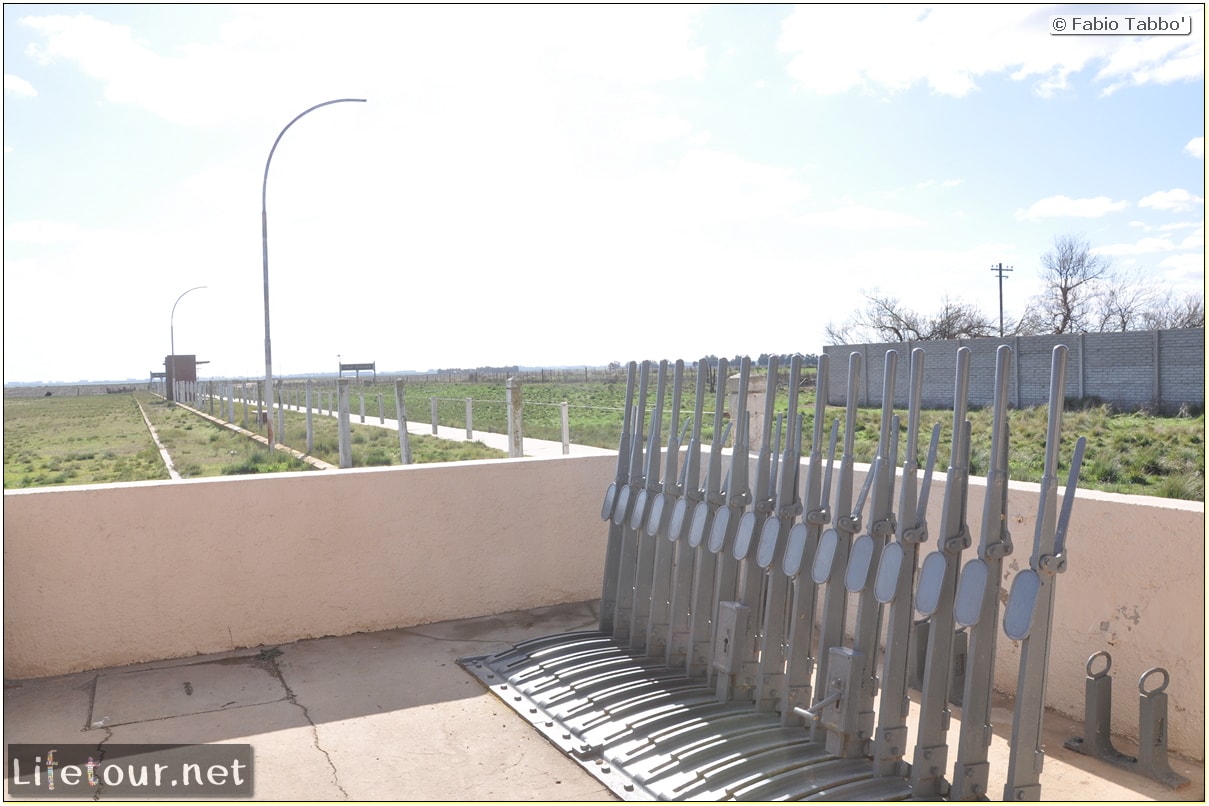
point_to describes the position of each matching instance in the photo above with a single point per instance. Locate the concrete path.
(530, 446)
(391, 716)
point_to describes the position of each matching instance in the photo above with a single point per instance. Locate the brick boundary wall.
(1156, 370)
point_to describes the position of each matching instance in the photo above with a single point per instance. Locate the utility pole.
(1001, 269)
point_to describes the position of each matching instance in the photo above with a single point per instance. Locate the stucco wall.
(114, 574)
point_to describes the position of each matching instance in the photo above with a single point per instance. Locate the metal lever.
(813, 713)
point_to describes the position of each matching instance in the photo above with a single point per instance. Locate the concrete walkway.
(530, 446)
(390, 716)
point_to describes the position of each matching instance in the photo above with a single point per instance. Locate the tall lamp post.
(264, 231)
(172, 337)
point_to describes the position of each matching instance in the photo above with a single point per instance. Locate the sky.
(566, 185)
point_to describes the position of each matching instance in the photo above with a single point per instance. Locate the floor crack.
(270, 659)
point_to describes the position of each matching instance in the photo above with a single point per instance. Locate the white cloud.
(860, 217)
(948, 183)
(1176, 200)
(836, 48)
(1181, 225)
(1064, 206)
(42, 232)
(1142, 247)
(1196, 147)
(1187, 269)
(18, 86)
(656, 129)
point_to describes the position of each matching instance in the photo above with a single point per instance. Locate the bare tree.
(1171, 311)
(886, 319)
(1074, 278)
(1123, 303)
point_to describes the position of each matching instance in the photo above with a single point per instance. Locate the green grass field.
(102, 438)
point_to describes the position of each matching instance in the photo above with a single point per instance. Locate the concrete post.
(279, 433)
(244, 397)
(362, 405)
(469, 418)
(381, 412)
(566, 428)
(345, 440)
(310, 426)
(516, 442)
(433, 403)
(260, 409)
(401, 414)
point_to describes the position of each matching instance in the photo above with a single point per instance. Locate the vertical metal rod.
(799, 554)
(835, 598)
(626, 501)
(977, 604)
(608, 598)
(1034, 588)
(894, 584)
(934, 597)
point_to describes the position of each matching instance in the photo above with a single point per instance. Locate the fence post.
(277, 397)
(260, 410)
(516, 441)
(566, 428)
(381, 412)
(469, 418)
(401, 414)
(243, 395)
(363, 405)
(310, 427)
(433, 403)
(345, 441)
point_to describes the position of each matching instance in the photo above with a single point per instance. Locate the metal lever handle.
(813, 712)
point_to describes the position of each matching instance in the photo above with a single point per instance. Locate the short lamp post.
(171, 392)
(264, 231)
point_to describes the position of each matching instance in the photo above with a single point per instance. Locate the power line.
(1001, 269)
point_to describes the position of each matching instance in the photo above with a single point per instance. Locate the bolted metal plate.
(649, 733)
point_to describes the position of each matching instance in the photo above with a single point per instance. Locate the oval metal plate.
(606, 510)
(747, 528)
(795, 550)
(824, 557)
(931, 580)
(639, 513)
(717, 532)
(1021, 604)
(860, 561)
(696, 530)
(623, 505)
(766, 549)
(679, 514)
(885, 586)
(654, 519)
(971, 586)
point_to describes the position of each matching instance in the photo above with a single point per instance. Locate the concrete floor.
(390, 716)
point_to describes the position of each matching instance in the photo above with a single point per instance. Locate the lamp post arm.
(264, 236)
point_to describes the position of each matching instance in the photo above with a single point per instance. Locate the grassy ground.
(84, 440)
(77, 440)
(1127, 452)
(201, 448)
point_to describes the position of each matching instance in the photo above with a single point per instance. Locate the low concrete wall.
(107, 575)
(104, 575)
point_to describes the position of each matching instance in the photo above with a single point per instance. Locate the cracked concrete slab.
(163, 693)
(390, 716)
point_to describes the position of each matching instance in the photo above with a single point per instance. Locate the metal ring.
(1148, 673)
(1107, 665)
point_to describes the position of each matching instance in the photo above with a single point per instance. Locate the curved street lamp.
(171, 392)
(264, 231)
